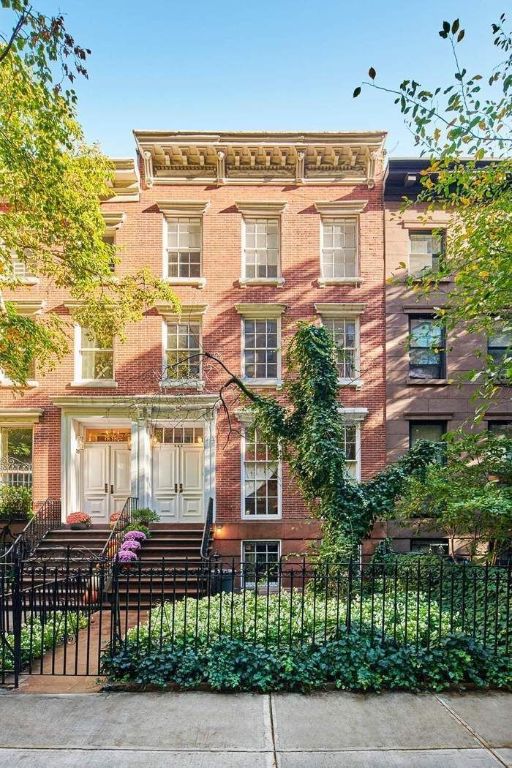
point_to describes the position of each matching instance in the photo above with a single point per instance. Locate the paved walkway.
(201, 730)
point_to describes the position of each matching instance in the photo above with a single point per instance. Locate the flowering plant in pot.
(135, 536)
(131, 544)
(126, 557)
(114, 517)
(79, 521)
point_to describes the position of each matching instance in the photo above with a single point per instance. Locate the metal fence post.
(17, 617)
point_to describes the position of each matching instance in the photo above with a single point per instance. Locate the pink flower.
(126, 556)
(131, 544)
(134, 536)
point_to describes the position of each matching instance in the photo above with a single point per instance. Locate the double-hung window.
(344, 332)
(426, 430)
(425, 252)
(500, 428)
(260, 348)
(261, 477)
(350, 449)
(499, 346)
(261, 249)
(339, 248)
(95, 357)
(427, 348)
(260, 562)
(183, 347)
(184, 247)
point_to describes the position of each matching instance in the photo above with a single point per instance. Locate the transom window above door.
(184, 247)
(109, 435)
(339, 248)
(178, 435)
(95, 358)
(261, 248)
(182, 361)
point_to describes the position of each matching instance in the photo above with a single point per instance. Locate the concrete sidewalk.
(331, 730)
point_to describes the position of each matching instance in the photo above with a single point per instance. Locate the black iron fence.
(61, 621)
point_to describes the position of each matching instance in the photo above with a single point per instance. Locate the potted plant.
(79, 521)
(135, 535)
(131, 544)
(126, 557)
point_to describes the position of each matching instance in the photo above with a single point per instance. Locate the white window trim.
(278, 381)
(322, 279)
(244, 281)
(166, 383)
(268, 518)
(78, 381)
(355, 416)
(346, 311)
(251, 584)
(195, 282)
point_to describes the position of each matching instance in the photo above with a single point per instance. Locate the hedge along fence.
(414, 601)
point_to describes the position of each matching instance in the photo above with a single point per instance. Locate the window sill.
(428, 382)
(95, 383)
(276, 383)
(259, 518)
(183, 384)
(29, 280)
(357, 383)
(323, 281)
(276, 282)
(7, 384)
(194, 282)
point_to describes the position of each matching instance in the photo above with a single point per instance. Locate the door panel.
(165, 481)
(178, 467)
(95, 477)
(191, 476)
(120, 476)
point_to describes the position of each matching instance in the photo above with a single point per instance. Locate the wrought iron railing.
(114, 541)
(47, 518)
(207, 531)
(14, 472)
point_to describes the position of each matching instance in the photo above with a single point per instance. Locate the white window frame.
(345, 380)
(79, 381)
(329, 280)
(346, 311)
(424, 233)
(180, 320)
(269, 518)
(197, 282)
(263, 381)
(355, 417)
(243, 561)
(278, 280)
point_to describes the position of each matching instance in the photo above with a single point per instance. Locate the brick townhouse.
(425, 388)
(254, 231)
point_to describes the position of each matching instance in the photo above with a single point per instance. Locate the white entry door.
(178, 482)
(105, 479)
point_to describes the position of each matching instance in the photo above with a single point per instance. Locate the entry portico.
(160, 450)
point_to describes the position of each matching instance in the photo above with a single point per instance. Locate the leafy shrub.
(353, 662)
(292, 617)
(144, 517)
(15, 503)
(38, 636)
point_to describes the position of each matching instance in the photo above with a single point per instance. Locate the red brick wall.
(138, 360)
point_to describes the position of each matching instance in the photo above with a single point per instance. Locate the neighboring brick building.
(426, 395)
(255, 232)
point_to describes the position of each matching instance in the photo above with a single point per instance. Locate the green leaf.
(455, 26)
(356, 93)
(372, 73)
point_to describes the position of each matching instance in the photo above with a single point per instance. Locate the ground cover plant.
(39, 636)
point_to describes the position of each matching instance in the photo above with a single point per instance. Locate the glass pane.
(427, 431)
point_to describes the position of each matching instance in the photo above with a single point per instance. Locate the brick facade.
(137, 362)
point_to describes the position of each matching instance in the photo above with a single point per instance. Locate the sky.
(267, 65)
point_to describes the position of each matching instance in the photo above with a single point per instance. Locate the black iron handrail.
(113, 542)
(47, 518)
(207, 531)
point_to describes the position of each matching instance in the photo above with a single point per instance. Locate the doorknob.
(111, 489)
